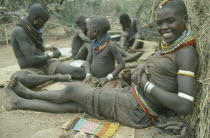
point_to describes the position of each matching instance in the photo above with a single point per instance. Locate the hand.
(56, 54)
(87, 80)
(137, 73)
(101, 81)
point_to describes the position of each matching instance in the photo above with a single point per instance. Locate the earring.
(95, 34)
(35, 21)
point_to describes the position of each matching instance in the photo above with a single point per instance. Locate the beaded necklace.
(101, 45)
(186, 39)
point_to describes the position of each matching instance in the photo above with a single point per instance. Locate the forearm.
(172, 101)
(86, 39)
(87, 67)
(118, 69)
(38, 60)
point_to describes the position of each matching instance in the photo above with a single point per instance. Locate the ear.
(185, 19)
(95, 32)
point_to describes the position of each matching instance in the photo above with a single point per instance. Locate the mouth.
(167, 35)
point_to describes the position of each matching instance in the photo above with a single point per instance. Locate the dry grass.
(199, 13)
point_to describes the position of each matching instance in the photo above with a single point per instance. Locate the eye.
(170, 20)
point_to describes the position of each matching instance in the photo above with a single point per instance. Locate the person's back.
(78, 45)
(76, 42)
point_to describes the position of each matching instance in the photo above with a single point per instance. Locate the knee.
(22, 77)
(17, 74)
(71, 88)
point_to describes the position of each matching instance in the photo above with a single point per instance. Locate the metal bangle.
(149, 88)
(145, 86)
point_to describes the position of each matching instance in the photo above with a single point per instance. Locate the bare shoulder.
(18, 30)
(187, 58)
(112, 46)
(187, 51)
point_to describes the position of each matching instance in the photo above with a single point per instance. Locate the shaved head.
(179, 5)
(124, 18)
(38, 10)
(81, 19)
(100, 24)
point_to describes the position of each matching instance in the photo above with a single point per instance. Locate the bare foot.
(13, 100)
(60, 77)
(19, 89)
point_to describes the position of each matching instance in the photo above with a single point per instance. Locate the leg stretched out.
(72, 92)
(31, 80)
(118, 104)
(16, 102)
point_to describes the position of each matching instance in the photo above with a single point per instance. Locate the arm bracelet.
(110, 76)
(145, 86)
(149, 88)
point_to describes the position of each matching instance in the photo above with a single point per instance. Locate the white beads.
(186, 35)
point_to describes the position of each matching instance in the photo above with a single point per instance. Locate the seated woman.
(165, 82)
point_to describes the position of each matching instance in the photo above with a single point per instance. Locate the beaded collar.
(186, 39)
(98, 47)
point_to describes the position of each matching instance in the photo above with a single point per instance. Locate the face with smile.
(170, 24)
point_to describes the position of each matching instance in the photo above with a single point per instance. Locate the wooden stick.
(44, 84)
(147, 42)
(5, 31)
(153, 9)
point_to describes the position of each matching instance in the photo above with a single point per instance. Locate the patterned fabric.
(186, 39)
(34, 34)
(89, 127)
(152, 114)
(98, 47)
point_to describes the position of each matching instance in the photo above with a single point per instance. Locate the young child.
(80, 40)
(131, 32)
(103, 53)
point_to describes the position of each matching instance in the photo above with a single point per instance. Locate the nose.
(164, 26)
